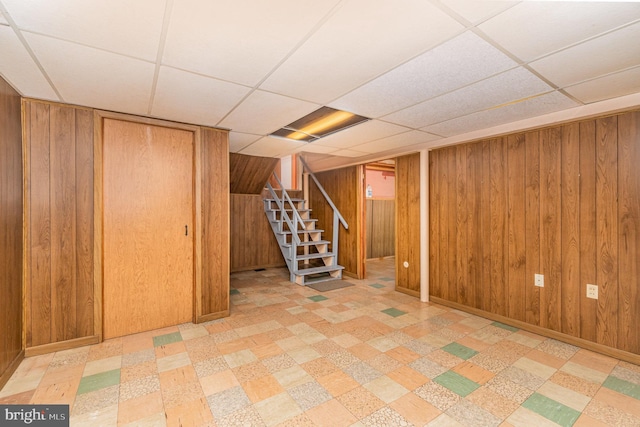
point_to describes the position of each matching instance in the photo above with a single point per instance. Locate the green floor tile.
(99, 381)
(551, 410)
(234, 292)
(622, 386)
(459, 350)
(317, 298)
(394, 312)
(506, 327)
(166, 339)
(456, 383)
(387, 279)
(377, 285)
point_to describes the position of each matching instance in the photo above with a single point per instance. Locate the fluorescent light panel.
(318, 124)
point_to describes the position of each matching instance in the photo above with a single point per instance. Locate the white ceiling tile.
(3, 20)
(603, 55)
(509, 86)
(238, 41)
(123, 26)
(349, 153)
(359, 134)
(428, 75)
(315, 148)
(532, 29)
(238, 141)
(476, 11)
(264, 112)
(611, 86)
(528, 108)
(19, 69)
(397, 141)
(362, 40)
(95, 78)
(271, 147)
(192, 98)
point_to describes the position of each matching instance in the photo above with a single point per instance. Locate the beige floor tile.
(218, 382)
(331, 414)
(140, 407)
(338, 383)
(386, 389)
(262, 388)
(277, 409)
(102, 365)
(415, 410)
(564, 395)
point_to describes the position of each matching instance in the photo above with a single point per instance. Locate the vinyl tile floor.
(364, 355)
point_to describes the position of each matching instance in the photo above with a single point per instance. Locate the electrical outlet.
(592, 291)
(539, 280)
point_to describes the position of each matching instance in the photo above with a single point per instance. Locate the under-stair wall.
(345, 187)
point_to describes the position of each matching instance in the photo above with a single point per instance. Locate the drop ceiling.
(427, 73)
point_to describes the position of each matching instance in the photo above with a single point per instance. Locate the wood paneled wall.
(408, 224)
(63, 265)
(214, 296)
(249, 174)
(11, 238)
(344, 186)
(381, 228)
(60, 286)
(561, 201)
(254, 245)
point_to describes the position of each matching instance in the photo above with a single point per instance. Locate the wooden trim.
(212, 316)
(588, 345)
(61, 345)
(361, 253)
(6, 375)
(408, 292)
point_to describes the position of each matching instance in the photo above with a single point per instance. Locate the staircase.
(310, 258)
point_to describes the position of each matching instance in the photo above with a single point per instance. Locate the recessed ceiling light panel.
(318, 124)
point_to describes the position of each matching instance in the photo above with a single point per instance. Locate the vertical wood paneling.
(63, 221)
(253, 245)
(60, 288)
(408, 224)
(607, 230)
(516, 208)
(562, 201)
(474, 224)
(498, 201)
(532, 226)
(588, 232)
(570, 233)
(215, 227)
(84, 222)
(629, 231)
(435, 196)
(485, 226)
(11, 232)
(550, 228)
(381, 234)
(39, 323)
(343, 186)
(462, 230)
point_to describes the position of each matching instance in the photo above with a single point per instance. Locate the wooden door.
(148, 227)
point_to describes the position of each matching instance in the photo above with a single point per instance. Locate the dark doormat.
(329, 285)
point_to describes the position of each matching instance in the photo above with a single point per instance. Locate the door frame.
(98, 201)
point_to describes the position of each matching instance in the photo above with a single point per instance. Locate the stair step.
(313, 230)
(293, 199)
(309, 243)
(287, 210)
(314, 256)
(316, 270)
